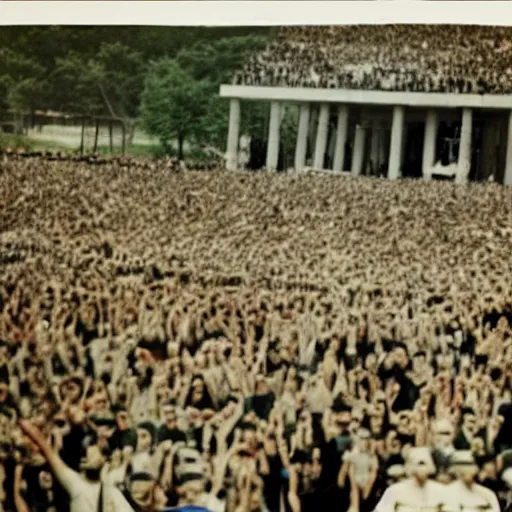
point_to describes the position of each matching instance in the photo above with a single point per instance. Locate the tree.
(213, 63)
(173, 104)
(110, 84)
(119, 73)
(22, 79)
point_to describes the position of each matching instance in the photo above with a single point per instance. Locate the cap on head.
(507, 477)
(443, 425)
(396, 471)
(363, 434)
(419, 459)
(462, 458)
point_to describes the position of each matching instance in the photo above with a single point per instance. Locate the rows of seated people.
(416, 58)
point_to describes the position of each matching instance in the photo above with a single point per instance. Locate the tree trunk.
(96, 134)
(130, 132)
(181, 140)
(123, 147)
(110, 138)
(82, 137)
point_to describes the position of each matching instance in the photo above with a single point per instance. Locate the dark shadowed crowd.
(414, 58)
(248, 342)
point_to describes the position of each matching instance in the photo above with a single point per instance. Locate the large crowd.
(415, 58)
(248, 341)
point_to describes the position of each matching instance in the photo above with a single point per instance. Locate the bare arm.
(19, 502)
(293, 498)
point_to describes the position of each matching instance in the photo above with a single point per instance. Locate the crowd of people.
(414, 58)
(250, 341)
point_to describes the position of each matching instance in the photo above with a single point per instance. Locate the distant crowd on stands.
(416, 58)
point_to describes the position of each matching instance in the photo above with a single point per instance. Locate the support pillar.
(273, 136)
(464, 162)
(233, 135)
(429, 144)
(508, 162)
(341, 139)
(383, 145)
(358, 155)
(302, 137)
(321, 136)
(395, 150)
(487, 161)
(374, 149)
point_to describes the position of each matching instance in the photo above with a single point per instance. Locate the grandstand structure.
(393, 100)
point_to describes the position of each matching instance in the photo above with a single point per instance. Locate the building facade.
(465, 137)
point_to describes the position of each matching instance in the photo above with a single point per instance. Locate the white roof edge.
(352, 96)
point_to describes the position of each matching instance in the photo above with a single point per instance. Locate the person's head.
(249, 436)
(489, 467)
(122, 418)
(169, 415)
(469, 420)
(400, 355)
(463, 466)
(191, 490)
(443, 433)
(363, 440)
(404, 421)
(146, 493)
(419, 464)
(379, 403)
(197, 386)
(92, 464)
(341, 413)
(71, 389)
(419, 361)
(145, 436)
(506, 476)
(261, 387)
(393, 444)
(229, 409)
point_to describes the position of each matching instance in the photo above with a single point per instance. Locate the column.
(321, 136)
(508, 162)
(429, 144)
(395, 150)
(302, 137)
(383, 143)
(273, 136)
(464, 162)
(358, 155)
(487, 160)
(374, 149)
(341, 139)
(233, 135)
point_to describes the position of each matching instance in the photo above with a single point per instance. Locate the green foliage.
(173, 103)
(21, 79)
(15, 142)
(103, 71)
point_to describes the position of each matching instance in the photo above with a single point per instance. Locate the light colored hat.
(93, 459)
(420, 458)
(462, 458)
(364, 433)
(507, 477)
(396, 471)
(443, 425)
